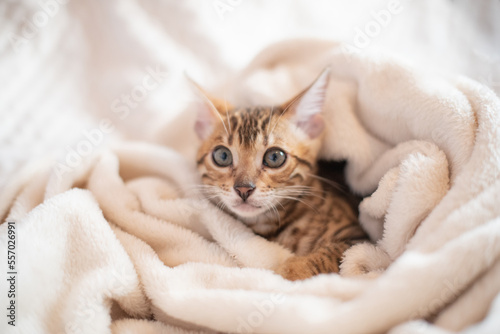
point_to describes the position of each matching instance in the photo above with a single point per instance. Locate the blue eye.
(222, 156)
(274, 158)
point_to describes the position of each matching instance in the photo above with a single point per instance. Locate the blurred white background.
(67, 65)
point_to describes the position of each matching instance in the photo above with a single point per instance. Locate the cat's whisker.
(281, 205)
(200, 186)
(220, 205)
(223, 124)
(212, 196)
(277, 214)
(301, 189)
(270, 207)
(227, 114)
(202, 192)
(296, 199)
(300, 186)
(197, 187)
(292, 188)
(198, 191)
(208, 192)
(302, 193)
(194, 195)
(305, 195)
(267, 206)
(283, 112)
(210, 104)
(327, 181)
(269, 122)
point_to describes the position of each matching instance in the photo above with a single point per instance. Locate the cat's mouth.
(245, 206)
(246, 209)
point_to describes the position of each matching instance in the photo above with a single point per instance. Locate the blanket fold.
(135, 248)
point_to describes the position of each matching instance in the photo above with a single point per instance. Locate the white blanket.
(428, 147)
(128, 253)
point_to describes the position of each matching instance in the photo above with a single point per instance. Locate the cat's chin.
(247, 210)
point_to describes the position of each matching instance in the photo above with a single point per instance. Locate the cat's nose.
(244, 190)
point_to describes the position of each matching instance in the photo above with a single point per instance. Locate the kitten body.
(259, 165)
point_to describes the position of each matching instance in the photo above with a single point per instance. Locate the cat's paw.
(294, 269)
(364, 259)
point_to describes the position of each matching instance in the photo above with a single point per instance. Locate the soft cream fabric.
(127, 253)
(423, 149)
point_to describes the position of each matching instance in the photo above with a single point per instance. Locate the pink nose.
(244, 190)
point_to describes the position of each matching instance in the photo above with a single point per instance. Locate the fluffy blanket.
(118, 243)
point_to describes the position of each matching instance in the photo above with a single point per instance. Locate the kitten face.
(257, 163)
(253, 160)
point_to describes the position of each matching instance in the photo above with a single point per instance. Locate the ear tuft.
(208, 113)
(307, 107)
(204, 124)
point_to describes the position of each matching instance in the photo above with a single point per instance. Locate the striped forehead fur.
(248, 123)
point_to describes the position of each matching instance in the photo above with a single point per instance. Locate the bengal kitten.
(259, 165)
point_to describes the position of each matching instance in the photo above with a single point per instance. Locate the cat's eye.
(274, 158)
(222, 156)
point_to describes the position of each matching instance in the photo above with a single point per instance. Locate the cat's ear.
(209, 111)
(305, 109)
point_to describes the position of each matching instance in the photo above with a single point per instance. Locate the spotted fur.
(290, 204)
